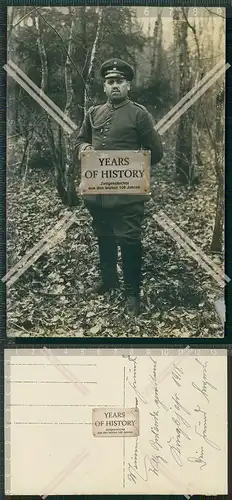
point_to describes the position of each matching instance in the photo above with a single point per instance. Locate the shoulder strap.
(140, 106)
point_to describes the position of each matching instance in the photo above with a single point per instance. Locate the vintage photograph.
(90, 92)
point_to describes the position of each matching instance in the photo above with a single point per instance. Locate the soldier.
(119, 124)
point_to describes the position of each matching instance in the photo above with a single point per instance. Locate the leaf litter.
(53, 297)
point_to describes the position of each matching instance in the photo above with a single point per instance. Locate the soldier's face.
(116, 88)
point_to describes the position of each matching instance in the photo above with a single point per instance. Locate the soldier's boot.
(108, 253)
(131, 265)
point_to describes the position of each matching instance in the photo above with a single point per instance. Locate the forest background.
(61, 50)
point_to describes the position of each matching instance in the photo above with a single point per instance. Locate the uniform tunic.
(123, 126)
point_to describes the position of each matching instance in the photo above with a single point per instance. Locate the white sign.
(115, 172)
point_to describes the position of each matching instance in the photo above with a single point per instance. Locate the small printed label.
(114, 172)
(115, 422)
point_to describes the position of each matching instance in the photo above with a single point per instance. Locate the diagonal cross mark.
(198, 85)
(64, 473)
(198, 90)
(191, 248)
(81, 456)
(161, 126)
(193, 99)
(162, 468)
(166, 372)
(195, 247)
(67, 373)
(36, 96)
(40, 92)
(49, 240)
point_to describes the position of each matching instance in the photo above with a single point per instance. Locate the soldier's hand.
(84, 148)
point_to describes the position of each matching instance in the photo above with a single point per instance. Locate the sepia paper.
(179, 395)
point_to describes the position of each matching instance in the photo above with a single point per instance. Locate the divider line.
(82, 388)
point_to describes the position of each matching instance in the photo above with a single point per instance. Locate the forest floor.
(53, 297)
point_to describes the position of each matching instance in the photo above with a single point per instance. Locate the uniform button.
(103, 144)
(106, 129)
(104, 137)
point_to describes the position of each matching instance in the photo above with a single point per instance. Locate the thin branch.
(26, 130)
(64, 46)
(22, 18)
(187, 21)
(92, 60)
(201, 68)
(86, 59)
(214, 13)
(10, 19)
(67, 71)
(26, 167)
(94, 48)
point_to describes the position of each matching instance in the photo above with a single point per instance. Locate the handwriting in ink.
(151, 464)
(198, 459)
(205, 383)
(176, 374)
(139, 394)
(205, 429)
(155, 385)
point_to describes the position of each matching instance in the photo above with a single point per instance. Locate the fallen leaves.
(95, 329)
(54, 299)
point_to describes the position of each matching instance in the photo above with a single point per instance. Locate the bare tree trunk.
(81, 12)
(87, 90)
(217, 239)
(198, 105)
(159, 58)
(184, 171)
(175, 81)
(154, 48)
(70, 161)
(59, 171)
(10, 20)
(199, 73)
(28, 138)
(25, 153)
(43, 55)
(26, 166)
(13, 89)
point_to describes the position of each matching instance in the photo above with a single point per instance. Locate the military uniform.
(125, 125)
